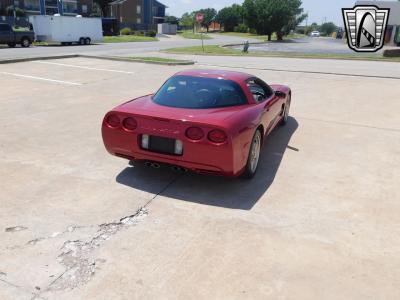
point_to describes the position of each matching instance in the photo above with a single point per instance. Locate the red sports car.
(207, 121)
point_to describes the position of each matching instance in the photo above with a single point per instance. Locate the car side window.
(260, 90)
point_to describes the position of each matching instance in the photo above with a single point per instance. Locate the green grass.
(128, 39)
(262, 37)
(217, 50)
(208, 50)
(196, 36)
(155, 59)
(21, 29)
(248, 35)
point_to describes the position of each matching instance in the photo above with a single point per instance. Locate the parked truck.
(13, 37)
(67, 30)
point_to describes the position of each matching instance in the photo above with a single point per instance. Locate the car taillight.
(129, 124)
(194, 133)
(113, 121)
(217, 136)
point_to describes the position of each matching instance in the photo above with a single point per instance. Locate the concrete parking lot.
(319, 221)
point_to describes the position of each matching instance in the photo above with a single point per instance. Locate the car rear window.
(200, 93)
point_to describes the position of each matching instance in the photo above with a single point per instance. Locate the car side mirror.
(280, 94)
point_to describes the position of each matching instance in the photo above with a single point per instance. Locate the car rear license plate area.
(162, 145)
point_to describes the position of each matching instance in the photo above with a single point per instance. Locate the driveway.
(319, 221)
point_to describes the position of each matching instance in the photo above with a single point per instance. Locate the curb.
(17, 60)
(126, 59)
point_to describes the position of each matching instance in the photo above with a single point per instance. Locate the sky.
(317, 10)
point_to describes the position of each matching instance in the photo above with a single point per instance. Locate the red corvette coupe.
(207, 121)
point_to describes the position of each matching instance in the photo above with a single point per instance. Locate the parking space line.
(83, 67)
(41, 78)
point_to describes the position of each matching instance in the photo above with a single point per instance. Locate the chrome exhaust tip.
(147, 164)
(155, 165)
(179, 169)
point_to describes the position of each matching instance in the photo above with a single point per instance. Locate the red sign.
(199, 17)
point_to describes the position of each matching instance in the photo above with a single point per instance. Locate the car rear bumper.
(200, 157)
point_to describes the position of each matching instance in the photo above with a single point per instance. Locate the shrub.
(151, 33)
(253, 31)
(126, 31)
(241, 28)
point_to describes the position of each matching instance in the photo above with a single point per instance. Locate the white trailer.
(67, 30)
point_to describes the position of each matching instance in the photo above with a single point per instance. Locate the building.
(138, 14)
(51, 7)
(392, 34)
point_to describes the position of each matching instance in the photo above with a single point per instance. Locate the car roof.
(224, 74)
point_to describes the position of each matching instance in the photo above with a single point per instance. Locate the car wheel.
(11, 45)
(25, 42)
(285, 116)
(254, 156)
(87, 41)
(81, 41)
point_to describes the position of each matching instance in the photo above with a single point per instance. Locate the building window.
(138, 9)
(139, 20)
(84, 8)
(32, 5)
(70, 6)
(51, 7)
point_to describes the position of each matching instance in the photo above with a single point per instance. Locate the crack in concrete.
(15, 229)
(78, 258)
(18, 287)
(69, 229)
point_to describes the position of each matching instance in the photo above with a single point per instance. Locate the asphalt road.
(319, 221)
(114, 48)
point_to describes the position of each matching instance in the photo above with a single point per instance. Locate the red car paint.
(239, 123)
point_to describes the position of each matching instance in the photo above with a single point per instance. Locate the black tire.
(25, 42)
(81, 41)
(286, 110)
(11, 45)
(254, 156)
(88, 41)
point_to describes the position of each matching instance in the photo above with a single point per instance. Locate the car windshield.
(199, 92)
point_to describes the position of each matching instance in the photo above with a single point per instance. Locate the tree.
(171, 20)
(230, 17)
(295, 20)
(18, 11)
(187, 20)
(269, 16)
(104, 6)
(96, 10)
(209, 16)
(328, 28)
